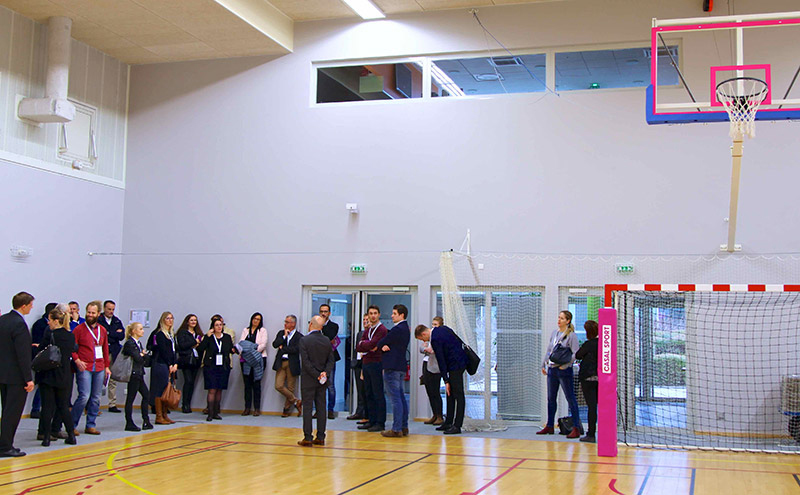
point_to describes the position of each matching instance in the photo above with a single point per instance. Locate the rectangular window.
(488, 75)
(369, 82)
(620, 68)
(77, 138)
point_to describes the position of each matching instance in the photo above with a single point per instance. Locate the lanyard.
(372, 332)
(219, 344)
(96, 337)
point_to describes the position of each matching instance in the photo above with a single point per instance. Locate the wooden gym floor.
(227, 459)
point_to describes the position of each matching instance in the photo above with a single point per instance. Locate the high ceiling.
(153, 31)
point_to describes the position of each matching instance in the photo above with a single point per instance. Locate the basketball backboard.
(713, 49)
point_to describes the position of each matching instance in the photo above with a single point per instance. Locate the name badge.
(98, 352)
(219, 359)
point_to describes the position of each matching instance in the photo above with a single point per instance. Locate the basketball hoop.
(741, 97)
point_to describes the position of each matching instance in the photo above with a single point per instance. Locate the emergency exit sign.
(624, 268)
(358, 268)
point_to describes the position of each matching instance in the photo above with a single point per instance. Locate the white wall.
(60, 217)
(229, 164)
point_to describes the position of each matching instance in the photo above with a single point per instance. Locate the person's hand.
(385, 348)
(210, 333)
(544, 371)
(108, 372)
(322, 375)
(29, 387)
(362, 375)
(374, 349)
(173, 368)
(80, 365)
(35, 345)
(447, 388)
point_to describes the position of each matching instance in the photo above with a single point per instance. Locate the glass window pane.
(621, 68)
(369, 82)
(488, 75)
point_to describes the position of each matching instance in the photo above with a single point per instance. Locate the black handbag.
(565, 425)
(561, 354)
(147, 358)
(48, 358)
(473, 360)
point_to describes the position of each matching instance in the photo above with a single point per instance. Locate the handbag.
(147, 359)
(560, 354)
(187, 360)
(565, 425)
(473, 360)
(122, 368)
(48, 358)
(171, 395)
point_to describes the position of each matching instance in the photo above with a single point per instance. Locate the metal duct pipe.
(59, 42)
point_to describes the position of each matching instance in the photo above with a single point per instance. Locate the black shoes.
(589, 439)
(114, 410)
(444, 427)
(375, 428)
(453, 430)
(12, 452)
(186, 410)
(331, 415)
(365, 426)
(147, 425)
(132, 427)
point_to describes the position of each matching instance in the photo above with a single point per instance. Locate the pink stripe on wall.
(607, 383)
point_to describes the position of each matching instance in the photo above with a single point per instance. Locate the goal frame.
(607, 439)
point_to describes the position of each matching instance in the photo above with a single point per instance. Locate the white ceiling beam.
(265, 18)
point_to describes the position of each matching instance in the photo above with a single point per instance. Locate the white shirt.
(288, 338)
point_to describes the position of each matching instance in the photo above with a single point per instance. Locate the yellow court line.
(113, 472)
(83, 453)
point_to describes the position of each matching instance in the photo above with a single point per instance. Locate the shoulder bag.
(560, 354)
(48, 358)
(122, 368)
(473, 360)
(171, 396)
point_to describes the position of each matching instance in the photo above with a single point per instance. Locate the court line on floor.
(694, 478)
(495, 479)
(123, 468)
(384, 474)
(612, 485)
(644, 482)
(797, 479)
(86, 466)
(535, 459)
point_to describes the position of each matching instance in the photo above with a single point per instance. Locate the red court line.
(487, 456)
(495, 479)
(93, 455)
(124, 468)
(612, 484)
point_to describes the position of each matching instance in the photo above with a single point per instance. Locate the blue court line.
(646, 477)
(691, 487)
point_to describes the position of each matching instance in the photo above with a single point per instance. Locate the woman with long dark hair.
(587, 375)
(56, 384)
(561, 374)
(187, 338)
(164, 362)
(216, 349)
(257, 334)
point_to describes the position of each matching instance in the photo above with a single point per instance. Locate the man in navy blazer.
(15, 370)
(452, 359)
(395, 367)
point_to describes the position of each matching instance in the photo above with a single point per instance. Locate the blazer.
(397, 339)
(184, 346)
(131, 348)
(331, 330)
(588, 356)
(261, 339)
(449, 353)
(164, 350)
(60, 377)
(15, 350)
(116, 333)
(208, 349)
(292, 349)
(317, 356)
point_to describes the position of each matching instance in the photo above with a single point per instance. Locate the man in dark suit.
(331, 330)
(395, 367)
(287, 364)
(15, 370)
(452, 362)
(316, 354)
(116, 335)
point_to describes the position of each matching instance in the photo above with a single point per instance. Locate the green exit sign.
(623, 268)
(358, 268)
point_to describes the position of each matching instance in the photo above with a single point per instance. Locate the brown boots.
(435, 420)
(162, 412)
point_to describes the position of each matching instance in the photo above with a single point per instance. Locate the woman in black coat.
(56, 384)
(216, 349)
(134, 350)
(187, 338)
(587, 355)
(164, 362)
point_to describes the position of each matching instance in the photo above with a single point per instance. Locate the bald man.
(317, 359)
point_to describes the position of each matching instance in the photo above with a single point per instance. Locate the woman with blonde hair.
(133, 349)
(557, 365)
(56, 384)
(164, 362)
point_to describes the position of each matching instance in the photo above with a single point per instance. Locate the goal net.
(709, 368)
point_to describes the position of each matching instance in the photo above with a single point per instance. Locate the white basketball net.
(741, 98)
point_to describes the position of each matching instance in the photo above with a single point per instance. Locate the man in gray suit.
(15, 370)
(316, 354)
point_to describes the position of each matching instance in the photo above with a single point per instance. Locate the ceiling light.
(490, 76)
(365, 8)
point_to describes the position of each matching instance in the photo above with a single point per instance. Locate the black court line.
(308, 454)
(644, 483)
(54, 473)
(797, 479)
(385, 474)
(691, 486)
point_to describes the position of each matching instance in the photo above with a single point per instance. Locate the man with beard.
(93, 364)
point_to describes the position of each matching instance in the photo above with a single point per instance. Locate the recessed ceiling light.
(539, 66)
(365, 8)
(472, 90)
(489, 76)
(454, 71)
(638, 81)
(632, 61)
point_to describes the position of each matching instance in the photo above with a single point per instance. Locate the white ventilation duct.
(54, 107)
